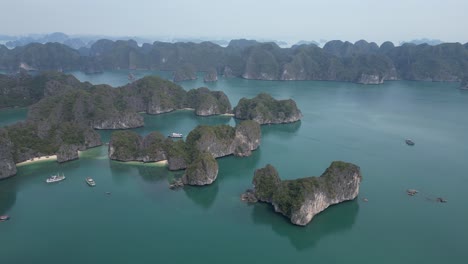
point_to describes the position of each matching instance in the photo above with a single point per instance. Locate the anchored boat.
(4, 218)
(90, 182)
(409, 142)
(175, 135)
(55, 178)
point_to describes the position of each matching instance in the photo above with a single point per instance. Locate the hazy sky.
(351, 20)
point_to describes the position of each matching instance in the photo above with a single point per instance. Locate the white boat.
(90, 182)
(55, 178)
(175, 135)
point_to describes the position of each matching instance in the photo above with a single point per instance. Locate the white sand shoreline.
(161, 163)
(37, 159)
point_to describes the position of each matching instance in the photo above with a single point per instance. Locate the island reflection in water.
(203, 198)
(335, 219)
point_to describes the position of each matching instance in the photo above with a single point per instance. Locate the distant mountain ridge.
(360, 62)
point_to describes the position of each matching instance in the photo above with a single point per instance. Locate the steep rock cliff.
(370, 79)
(67, 153)
(186, 72)
(211, 75)
(129, 146)
(224, 140)
(464, 84)
(206, 102)
(123, 120)
(7, 164)
(301, 199)
(202, 171)
(264, 109)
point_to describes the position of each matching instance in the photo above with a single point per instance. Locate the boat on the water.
(56, 178)
(90, 182)
(175, 135)
(131, 77)
(4, 218)
(409, 142)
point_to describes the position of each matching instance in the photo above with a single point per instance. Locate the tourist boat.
(131, 77)
(90, 182)
(409, 142)
(55, 178)
(175, 135)
(4, 218)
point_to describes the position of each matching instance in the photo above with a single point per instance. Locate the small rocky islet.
(301, 199)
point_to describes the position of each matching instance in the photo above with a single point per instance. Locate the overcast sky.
(373, 20)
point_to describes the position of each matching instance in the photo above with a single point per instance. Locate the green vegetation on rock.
(340, 181)
(266, 181)
(203, 170)
(125, 144)
(266, 110)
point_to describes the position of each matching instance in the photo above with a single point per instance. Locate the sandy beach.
(160, 163)
(37, 159)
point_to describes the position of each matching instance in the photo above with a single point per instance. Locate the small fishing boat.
(175, 135)
(409, 142)
(55, 178)
(4, 218)
(90, 182)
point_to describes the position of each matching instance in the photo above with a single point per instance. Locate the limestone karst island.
(233, 131)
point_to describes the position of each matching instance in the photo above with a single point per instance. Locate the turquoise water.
(12, 115)
(142, 221)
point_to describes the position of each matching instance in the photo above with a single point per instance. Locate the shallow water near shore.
(143, 221)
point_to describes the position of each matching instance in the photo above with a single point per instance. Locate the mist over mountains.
(361, 62)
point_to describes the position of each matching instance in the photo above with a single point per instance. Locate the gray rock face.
(464, 84)
(302, 199)
(211, 75)
(202, 171)
(228, 73)
(264, 109)
(185, 72)
(224, 140)
(129, 146)
(155, 108)
(176, 163)
(123, 121)
(67, 153)
(153, 147)
(206, 102)
(248, 137)
(7, 164)
(370, 79)
(92, 139)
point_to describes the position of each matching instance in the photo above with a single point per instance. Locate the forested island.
(197, 154)
(361, 62)
(65, 112)
(301, 199)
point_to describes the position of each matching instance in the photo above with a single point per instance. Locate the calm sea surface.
(142, 221)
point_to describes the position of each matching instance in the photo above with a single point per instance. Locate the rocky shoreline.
(301, 199)
(196, 155)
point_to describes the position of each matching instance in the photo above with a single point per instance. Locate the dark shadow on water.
(232, 166)
(203, 196)
(149, 173)
(7, 195)
(285, 130)
(335, 219)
